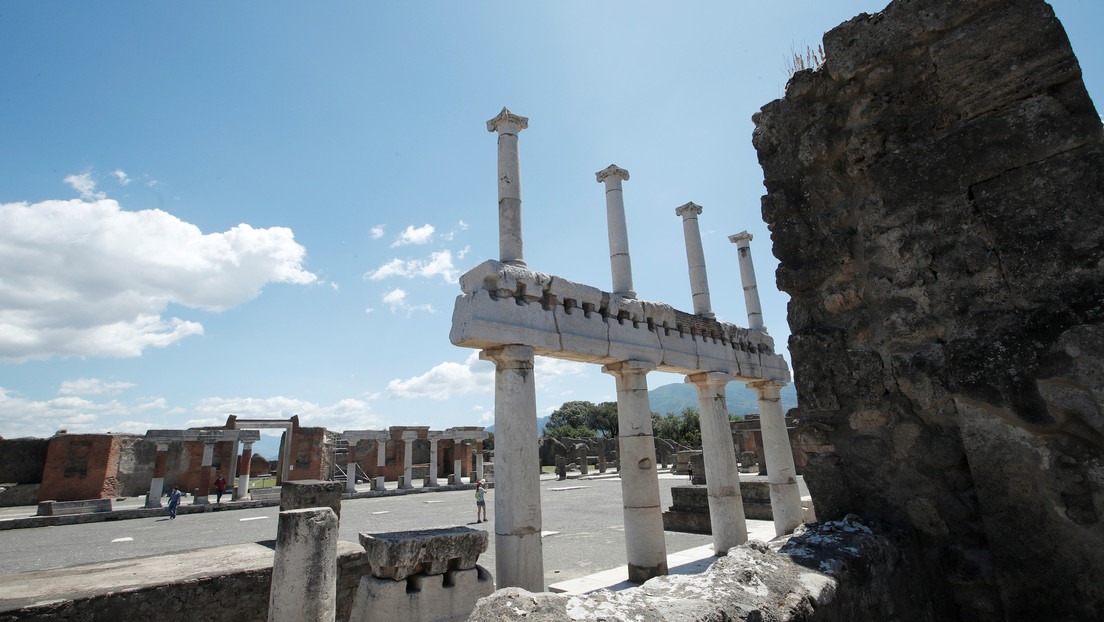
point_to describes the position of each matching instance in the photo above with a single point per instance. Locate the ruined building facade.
(935, 194)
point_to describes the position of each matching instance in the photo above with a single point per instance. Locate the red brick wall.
(80, 466)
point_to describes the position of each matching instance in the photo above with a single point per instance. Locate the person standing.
(480, 502)
(220, 488)
(174, 501)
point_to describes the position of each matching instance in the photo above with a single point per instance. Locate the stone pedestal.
(429, 575)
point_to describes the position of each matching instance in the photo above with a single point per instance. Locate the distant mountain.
(673, 398)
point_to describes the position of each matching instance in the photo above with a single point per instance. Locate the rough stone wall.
(935, 194)
(136, 460)
(311, 454)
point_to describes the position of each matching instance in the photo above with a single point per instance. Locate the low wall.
(224, 584)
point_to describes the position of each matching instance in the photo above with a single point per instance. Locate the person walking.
(174, 501)
(480, 502)
(220, 488)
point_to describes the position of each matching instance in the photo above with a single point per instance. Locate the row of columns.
(163, 438)
(408, 438)
(518, 559)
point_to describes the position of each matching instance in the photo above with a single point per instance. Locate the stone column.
(246, 469)
(519, 560)
(781, 474)
(695, 258)
(433, 462)
(408, 438)
(304, 567)
(381, 463)
(618, 232)
(722, 476)
(747, 277)
(233, 471)
(479, 460)
(645, 548)
(457, 465)
(508, 124)
(157, 484)
(204, 489)
(350, 467)
(285, 455)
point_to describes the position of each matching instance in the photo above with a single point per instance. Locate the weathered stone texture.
(935, 194)
(834, 571)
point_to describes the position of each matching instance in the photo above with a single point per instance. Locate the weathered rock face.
(935, 195)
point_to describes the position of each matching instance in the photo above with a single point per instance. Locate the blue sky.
(263, 208)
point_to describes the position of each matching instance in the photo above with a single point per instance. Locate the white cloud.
(84, 278)
(85, 185)
(463, 226)
(437, 264)
(121, 176)
(446, 380)
(396, 299)
(376, 232)
(463, 253)
(92, 386)
(346, 414)
(414, 235)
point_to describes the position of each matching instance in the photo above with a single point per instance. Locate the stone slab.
(62, 508)
(400, 554)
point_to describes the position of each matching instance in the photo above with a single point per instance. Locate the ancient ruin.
(512, 314)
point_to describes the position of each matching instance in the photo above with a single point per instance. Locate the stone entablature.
(504, 304)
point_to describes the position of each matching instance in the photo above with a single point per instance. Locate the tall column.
(381, 462)
(408, 457)
(508, 124)
(722, 475)
(620, 264)
(157, 484)
(645, 548)
(285, 455)
(350, 466)
(781, 474)
(747, 277)
(695, 258)
(519, 560)
(479, 460)
(432, 462)
(457, 463)
(205, 472)
(246, 468)
(233, 474)
(304, 567)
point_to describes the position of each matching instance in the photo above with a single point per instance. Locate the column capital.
(767, 389)
(507, 122)
(710, 379)
(612, 171)
(508, 356)
(737, 238)
(687, 210)
(628, 367)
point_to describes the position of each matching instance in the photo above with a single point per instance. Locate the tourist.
(220, 487)
(480, 502)
(174, 501)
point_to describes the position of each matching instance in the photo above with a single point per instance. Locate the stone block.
(399, 554)
(61, 508)
(311, 493)
(438, 598)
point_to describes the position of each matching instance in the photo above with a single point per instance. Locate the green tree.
(581, 419)
(683, 428)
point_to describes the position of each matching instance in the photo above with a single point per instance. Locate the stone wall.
(22, 460)
(935, 194)
(223, 592)
(80, 466)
